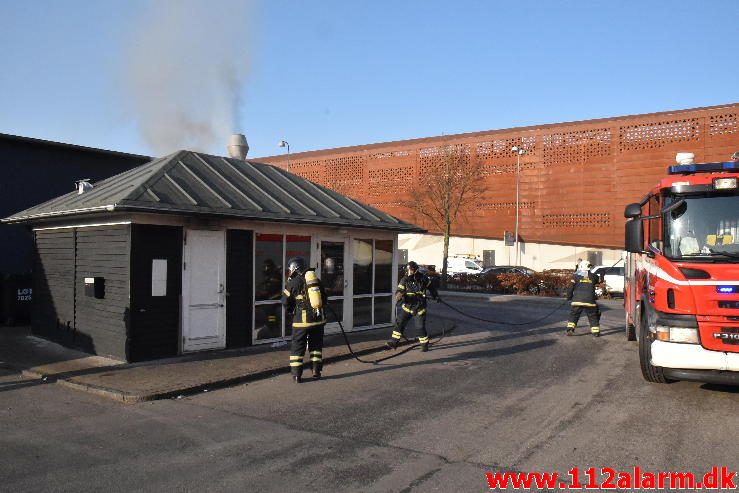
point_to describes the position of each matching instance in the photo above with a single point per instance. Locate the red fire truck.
(682, 274)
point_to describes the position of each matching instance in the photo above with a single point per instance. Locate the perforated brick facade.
(576, 177)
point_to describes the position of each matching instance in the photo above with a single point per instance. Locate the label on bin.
(24, 294)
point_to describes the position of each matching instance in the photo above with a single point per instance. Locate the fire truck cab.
(681, 291)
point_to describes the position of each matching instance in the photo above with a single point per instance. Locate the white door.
(204, 290)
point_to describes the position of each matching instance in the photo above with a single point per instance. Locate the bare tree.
(453, 181)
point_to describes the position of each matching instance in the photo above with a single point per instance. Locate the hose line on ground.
(441, 336)
(505, 323)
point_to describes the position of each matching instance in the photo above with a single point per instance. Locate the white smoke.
(185, 67)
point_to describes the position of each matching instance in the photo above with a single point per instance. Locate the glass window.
(703, 225)
(362, 312)
(335, 308)
(268, 267)
(269, 280)
(362, 267)
(383, 309)
(383, 266)
(268, 321)
(332, 267)
(655, 225)
(297, 246)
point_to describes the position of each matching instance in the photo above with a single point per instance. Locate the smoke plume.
(185, 66)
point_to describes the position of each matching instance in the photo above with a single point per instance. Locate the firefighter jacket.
(296, 302)
(412, 293)
(582, 289)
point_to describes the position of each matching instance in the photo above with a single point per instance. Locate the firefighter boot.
(394, 340)
(570, 329)
(296, 368)
(424, 343)
(316, 358)
(595, 331)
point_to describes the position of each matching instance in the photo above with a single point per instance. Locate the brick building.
(575, 179)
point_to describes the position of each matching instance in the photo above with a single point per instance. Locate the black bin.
(17, 293)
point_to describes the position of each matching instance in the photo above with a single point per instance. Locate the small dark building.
(188, 253)
(34, 171)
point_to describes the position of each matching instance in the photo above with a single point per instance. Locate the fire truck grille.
(729, 304)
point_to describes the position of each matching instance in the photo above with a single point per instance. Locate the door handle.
(221, 289)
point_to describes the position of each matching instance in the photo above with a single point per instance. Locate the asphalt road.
(488, 398)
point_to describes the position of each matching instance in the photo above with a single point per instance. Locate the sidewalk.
(167, 378)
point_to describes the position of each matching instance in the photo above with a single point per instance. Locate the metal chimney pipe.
(237, 147)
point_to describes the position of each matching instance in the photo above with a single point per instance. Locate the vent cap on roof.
(237, 147)
(83, 185)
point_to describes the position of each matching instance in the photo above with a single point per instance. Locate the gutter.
(135, 208)
(17, 219)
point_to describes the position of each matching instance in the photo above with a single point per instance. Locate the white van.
(461, 265)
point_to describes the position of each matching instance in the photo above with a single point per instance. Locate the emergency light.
(703, 168)
(726, 289)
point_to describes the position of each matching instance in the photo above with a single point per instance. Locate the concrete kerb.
(131, 398)
(76, 378)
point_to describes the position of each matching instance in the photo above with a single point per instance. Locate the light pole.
(284, 143)
(519, 152)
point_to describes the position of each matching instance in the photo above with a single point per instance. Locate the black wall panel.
(239, 279)
(102, 252)
(52, 312)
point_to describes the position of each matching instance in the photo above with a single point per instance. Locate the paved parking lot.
(490, 397)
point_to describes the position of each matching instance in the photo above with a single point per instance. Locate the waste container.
(17, 293)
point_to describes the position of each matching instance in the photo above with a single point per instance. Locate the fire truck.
(681, 293)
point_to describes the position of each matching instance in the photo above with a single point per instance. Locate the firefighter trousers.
(314, 337)
(593, 313)
(403, 318)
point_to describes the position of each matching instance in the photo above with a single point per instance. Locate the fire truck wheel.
(630, 329)
(651, 373)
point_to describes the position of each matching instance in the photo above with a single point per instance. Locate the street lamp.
(284, 143)
(519, 152)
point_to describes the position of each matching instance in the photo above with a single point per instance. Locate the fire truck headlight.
(685, 335)
(724, 183)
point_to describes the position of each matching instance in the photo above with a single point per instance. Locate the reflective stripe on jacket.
(582, 289)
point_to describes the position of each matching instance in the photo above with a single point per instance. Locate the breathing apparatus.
(313, 288)
(296, 266)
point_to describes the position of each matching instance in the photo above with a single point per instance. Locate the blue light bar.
(726, 289)
(703, 168)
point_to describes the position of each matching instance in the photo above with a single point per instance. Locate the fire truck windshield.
(702, 227)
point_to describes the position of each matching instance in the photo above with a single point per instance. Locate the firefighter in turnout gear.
(304, 299)
(582, 295)
(411, 294)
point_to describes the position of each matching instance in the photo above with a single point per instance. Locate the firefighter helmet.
(295, 264)
(412, 266)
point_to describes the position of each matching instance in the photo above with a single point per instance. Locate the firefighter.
(411, 293)
(581, 293)
(304, 299)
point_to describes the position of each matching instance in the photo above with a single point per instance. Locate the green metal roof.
(192, 183)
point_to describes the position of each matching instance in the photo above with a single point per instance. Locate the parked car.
(489, 273)
(613, 278)
(507, 269)
(461, 265)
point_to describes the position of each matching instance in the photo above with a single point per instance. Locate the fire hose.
(440, 336)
